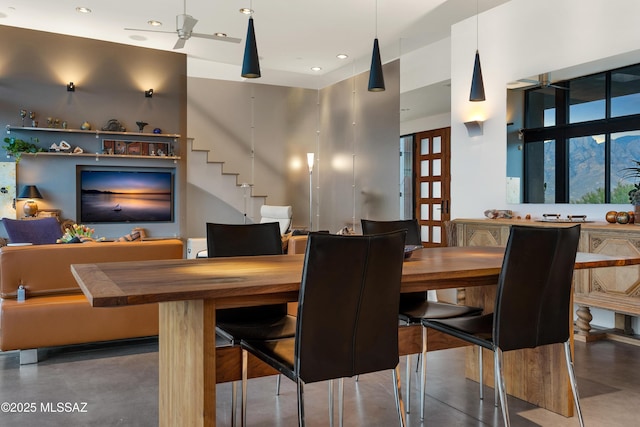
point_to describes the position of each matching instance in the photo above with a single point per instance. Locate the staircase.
(211, 178)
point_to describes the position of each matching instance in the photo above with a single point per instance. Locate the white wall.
(516, 40)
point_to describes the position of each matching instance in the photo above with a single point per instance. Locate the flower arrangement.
(78, 233)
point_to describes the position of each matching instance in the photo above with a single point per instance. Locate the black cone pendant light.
(376, 78)
(477, 84)
(251, 63)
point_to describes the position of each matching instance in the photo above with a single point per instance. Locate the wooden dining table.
(190, 291)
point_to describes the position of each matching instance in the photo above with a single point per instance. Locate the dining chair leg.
(340, 401)
(497, 357)
(407, 380)
(423, 374)
(397, 389)
(572, 378)
(243, 398)
(481, 373)
(278, 385)
(234, 397)
(330, 403)
(300, 402)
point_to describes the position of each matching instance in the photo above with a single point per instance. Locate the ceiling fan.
(542, 82)
(184, 29)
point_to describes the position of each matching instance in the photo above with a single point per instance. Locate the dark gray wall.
(110, 80)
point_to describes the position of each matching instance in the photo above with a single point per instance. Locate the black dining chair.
(259, 322)
(415, 306)
(533, 302)
(357, 280)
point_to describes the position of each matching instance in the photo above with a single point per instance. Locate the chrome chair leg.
(330, 403)
(340, 401)
(408, 383)
(423, 376)
(300, 402)
(243, 415)
(234, 392)
(481, 374)
(572, 378)
(278, 385)
(500, 384)
(397, 389)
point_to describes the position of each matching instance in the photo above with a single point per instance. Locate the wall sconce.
(148, 93)
(474, 128)
(30, 192)
(71, 87)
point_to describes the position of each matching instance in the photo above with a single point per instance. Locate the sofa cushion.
(37, 231)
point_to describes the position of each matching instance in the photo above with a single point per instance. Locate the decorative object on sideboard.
(114, 125)
(85, 125)
(634, 194)
(15, 147)
(141, 125)
(32, 117)
(23, 114)
(30, 193)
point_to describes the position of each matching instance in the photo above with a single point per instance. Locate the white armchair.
(280, 214)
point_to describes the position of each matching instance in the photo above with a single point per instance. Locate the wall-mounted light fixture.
(474, 127)
(148, 93)
(71, 87)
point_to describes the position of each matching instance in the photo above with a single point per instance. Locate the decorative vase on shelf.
(85, 125)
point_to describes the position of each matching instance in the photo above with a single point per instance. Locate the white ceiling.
(292, 35)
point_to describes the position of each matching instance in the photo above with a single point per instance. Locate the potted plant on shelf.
(15, 147)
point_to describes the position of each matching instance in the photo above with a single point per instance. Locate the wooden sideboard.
(615, 288)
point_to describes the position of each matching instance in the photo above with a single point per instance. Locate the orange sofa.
(55, 311)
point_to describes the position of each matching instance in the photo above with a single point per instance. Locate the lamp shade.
(30, 192)
(376, 78)
(477, 85)
(251, 63)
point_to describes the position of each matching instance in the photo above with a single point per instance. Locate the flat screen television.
(107, 195)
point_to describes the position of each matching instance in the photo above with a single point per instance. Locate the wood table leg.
(187, 345)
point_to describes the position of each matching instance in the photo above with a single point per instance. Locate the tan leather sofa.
(56, 311)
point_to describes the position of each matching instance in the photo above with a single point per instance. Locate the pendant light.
(376, 78)
(477, 84)
(251, 63)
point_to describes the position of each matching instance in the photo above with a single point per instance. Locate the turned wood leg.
(461, 296)
(584, 319)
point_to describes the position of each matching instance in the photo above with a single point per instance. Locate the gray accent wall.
(110, 80)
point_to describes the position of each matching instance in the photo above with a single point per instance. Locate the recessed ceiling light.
(316, 68)
(83, 9)
(246, 11)
(220, 34)
(342, 56)
(154, 23)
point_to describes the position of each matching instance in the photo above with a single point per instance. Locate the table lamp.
(30, 192)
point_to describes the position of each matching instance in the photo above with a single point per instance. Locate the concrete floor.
(116, 384)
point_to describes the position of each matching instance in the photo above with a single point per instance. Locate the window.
(578, 141)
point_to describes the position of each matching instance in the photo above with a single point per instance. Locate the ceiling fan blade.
(180, 44)
(529, 81)
(150, 31)
(215, 37)
(557, 87)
